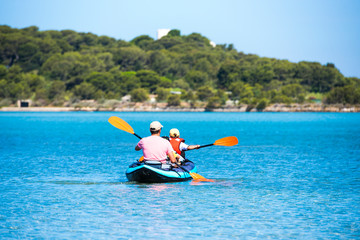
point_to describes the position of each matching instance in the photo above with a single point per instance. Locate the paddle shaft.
(207, 145)
(137, 136)
(184, 169)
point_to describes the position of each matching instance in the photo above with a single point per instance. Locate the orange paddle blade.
(227, 141)
(121, 124)
(198, 177)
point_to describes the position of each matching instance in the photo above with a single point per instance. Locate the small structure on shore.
(126, 99)
(176, 92)
(24, 103)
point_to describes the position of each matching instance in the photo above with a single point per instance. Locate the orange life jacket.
(175, 143)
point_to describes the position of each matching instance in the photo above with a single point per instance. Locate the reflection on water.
(292, 176)
(84, 183)
(150, 186)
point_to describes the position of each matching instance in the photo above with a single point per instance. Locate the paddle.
(226, 141)
(122, 125)
(195, 176)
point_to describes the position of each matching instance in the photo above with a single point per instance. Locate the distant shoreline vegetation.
(71, 69)
(146, 107)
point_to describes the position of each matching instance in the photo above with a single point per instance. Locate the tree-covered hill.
(58, 67)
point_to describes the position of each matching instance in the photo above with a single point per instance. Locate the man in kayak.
(178, 144)
(156, 148)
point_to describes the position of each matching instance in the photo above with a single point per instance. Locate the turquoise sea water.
(292, 176)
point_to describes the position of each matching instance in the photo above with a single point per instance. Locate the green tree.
(262, 104)
(283, 70)
(11, 43)
(106, 41)
(174, 33)
(279, 98)
(229, 72)
(262, 73)
(102, 81)
(346, 95)
(148, 79)
(142, 41)
(240, 90)
(319, 78)
(159, 62)
(198, 40)
(130, 58)
(4, 91)
(214, 102)
(3, 71)
(139, 95)
(190, 96)
(65, 66)
(14, 74)
(166, 42)
(126, 81)
(162, 94)
(221, 94)
(204, 93)
(204, 65)
(165, 82)
(196, 78)
(33, 81)
(15, 91)
(181, 83)
(29, 56)
(292, 90)
(85, 91)
(178, 69)
(174, 100)
(56, 92)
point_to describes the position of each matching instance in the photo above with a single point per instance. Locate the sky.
(325, 31)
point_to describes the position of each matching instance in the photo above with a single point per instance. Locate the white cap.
(155, 126)
(174, 133)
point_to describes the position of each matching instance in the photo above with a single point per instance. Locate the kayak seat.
(159, 165)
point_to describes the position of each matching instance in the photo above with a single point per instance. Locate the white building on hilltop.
(162, 32)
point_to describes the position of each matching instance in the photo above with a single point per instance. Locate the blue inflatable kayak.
(155, 172)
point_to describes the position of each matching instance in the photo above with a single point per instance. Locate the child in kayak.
(179, 145)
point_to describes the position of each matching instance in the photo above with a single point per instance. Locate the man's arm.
(137, 148)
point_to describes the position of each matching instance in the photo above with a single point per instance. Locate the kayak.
(155, 172)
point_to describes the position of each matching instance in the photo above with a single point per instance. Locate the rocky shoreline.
(152, 108)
